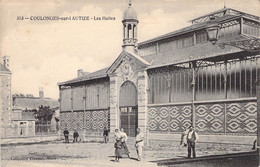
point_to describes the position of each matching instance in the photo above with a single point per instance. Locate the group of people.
(188, 139)
(121, 147)
(66, 135)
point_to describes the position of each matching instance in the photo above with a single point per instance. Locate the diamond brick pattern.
(210, 118)
(65, 120)
(241, 118)
(158, 118)
(170, 118)
(77, 120)
(91, 121)
(96, 120)
(180, 118)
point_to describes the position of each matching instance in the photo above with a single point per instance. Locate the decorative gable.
(126, 66)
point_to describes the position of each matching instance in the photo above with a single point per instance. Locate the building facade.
(25, 110)
(165, 84)
(5, 94)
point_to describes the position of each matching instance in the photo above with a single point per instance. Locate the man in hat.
(192, 138)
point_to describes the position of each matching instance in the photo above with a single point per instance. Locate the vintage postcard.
(129, 83)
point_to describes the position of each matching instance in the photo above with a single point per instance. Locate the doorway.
(128, 108)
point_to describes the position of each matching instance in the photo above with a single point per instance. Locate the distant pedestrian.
(66, 135)
(192, 138)
(139, 143)
(105, 135)
(184, 137)
(118, 150)
(75, 136)
(123, 140)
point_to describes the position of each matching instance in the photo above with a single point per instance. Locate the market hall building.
(170, 82)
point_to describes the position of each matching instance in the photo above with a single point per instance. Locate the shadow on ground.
(227, 160)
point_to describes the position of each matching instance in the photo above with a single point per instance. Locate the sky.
(43, 53)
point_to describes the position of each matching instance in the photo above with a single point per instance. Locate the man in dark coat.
(66, 135)
(75, 136)
(105, 135)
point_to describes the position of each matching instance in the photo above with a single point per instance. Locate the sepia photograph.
(130, 83)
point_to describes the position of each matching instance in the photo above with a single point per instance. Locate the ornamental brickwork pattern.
(94, 120)
(231, 118)
(210, 118)
(241, 118)
(169, 118)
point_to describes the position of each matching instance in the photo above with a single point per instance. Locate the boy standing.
(139, 143)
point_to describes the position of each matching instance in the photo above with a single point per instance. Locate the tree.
(44, 114)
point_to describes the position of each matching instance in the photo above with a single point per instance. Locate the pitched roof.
(199, 51)
(33, 102)
(224, 11)
(94, 75)
(3, 68)
(105, 71)
(185, 30)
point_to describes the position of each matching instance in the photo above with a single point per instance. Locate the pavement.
(49, 151)
(29, 140)
(242, 159)
(77, 163)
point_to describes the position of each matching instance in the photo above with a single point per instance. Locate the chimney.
(41, 93)
(80, 72)
(6, 61)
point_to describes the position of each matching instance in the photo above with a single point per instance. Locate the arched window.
(124, 31)
(134, 27)
(129, 29)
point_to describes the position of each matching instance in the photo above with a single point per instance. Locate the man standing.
(66, 135)
(123, 140)
(75, 136)
(192, 138)
(139, 143)
(105, 135)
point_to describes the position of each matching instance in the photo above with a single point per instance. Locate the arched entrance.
(128, 108)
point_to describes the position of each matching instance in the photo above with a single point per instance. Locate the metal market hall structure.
(170, 82)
